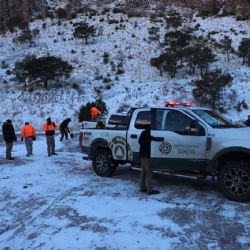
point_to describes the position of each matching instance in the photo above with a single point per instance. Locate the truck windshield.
(213, 119)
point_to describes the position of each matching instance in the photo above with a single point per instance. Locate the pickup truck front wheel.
(234, 180)
(103, 163)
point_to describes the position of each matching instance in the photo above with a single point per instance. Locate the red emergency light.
(175, 104)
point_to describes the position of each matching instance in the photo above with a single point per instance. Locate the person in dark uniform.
(146, 175)
(247, 122)
(64, 129)
(9, 137)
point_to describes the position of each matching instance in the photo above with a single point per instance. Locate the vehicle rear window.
(117, 120)
(143, 118)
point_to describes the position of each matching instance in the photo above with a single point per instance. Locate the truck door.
(140, 118)
(183, 149)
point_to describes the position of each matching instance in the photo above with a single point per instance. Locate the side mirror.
(195, 128)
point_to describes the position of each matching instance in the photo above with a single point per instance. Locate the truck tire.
(234, 180)
(103, 163)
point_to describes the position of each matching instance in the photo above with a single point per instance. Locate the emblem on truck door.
(118, 148)
(165, 148)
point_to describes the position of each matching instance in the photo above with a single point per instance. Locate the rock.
(239, 8)
(230, 7)
(243, 10)
(208, 7)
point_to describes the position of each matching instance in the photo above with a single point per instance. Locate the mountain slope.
(140, 85)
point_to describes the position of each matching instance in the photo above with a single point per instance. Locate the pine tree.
(244, 51)
(44, 69)
(154, 34)
(208, 90)
(173, 20)
(226, 44)
(84, 31)
(204, 58)
(159, 63)
(25, 36)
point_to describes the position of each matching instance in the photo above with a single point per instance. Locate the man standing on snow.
(29, 135)
(9, 137)
(146, 175)
(64, 129)
(49, 129)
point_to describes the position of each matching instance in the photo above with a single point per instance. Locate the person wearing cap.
(29, 135)
(49, 128)
(9, 137)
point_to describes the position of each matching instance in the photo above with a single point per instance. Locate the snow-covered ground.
(60, 203)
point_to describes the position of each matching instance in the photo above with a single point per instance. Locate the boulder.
(243, 10)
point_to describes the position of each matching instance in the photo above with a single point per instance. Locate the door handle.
(133, 136)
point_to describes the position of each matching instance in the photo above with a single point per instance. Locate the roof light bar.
(175, 104)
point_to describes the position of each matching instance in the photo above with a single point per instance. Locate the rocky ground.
(60, 203)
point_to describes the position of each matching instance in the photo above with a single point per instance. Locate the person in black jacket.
(9, 137)
(64, 129)
(146, 175)
(247, 122)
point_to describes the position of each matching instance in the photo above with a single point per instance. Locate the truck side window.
(143, 118)
(172, 120)
(177, 121)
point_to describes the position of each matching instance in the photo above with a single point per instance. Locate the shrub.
(118, 10)
(61, 13)
(106, 80)
(108, 87)
(113, 21)
(208, 90)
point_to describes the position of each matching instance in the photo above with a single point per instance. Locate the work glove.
(22, 139)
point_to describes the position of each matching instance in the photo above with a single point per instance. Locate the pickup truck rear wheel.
(234, 180)
(103, 163)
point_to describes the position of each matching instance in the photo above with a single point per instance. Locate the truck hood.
(242, 134)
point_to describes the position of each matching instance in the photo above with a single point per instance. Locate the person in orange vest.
(49, 129)
(29, 135)
(94, 113)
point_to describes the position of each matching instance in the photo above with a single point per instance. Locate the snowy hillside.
(140, 85)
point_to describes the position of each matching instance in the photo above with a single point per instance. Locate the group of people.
(28, 134)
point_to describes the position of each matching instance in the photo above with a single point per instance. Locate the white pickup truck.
(195, 142)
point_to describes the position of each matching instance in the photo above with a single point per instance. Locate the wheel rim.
(237, 181)
(102, 163)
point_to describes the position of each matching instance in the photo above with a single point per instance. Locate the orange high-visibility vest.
(94, 112)
(49, 127)
(28, 131)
